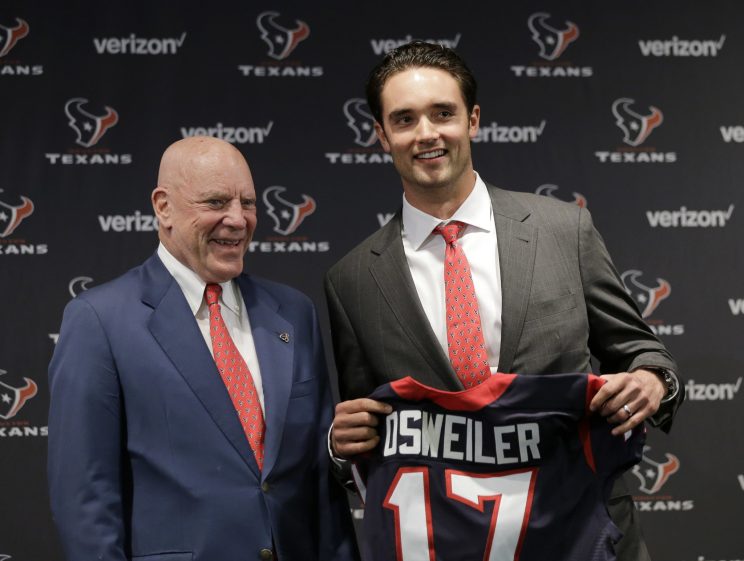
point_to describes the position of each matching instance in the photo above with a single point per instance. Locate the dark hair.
(419, 54)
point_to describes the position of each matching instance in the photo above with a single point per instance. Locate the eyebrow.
(398, 113)
(439, 105)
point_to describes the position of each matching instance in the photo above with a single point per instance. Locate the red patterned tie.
(467, 347)
(236, 376)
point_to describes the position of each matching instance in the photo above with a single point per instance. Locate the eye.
(248, 203)
(445, 114)
(215, 203)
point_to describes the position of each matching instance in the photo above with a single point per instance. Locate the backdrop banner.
(633, 109)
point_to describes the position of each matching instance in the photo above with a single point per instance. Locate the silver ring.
(627, 410)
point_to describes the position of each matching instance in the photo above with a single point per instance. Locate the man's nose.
(234, 215)
(426, 131)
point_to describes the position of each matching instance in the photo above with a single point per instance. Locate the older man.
(189, 401)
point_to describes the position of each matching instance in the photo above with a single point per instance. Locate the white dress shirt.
(425, 255)
(233, 312)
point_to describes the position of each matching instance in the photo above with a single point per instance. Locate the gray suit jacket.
(563, 301)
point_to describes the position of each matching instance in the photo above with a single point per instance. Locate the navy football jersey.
(515, 469)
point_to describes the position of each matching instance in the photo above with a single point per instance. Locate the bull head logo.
(281, 41)
(78, 285)
(635, 127)
(549, 190)
(360, 120)
(652, 474)
(9, 36)
(12, 216)
(552, 41)
(287, 216)
(89, 128)
(647, 298)
(12, 399)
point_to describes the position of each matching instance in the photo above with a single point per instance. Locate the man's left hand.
(628, 398)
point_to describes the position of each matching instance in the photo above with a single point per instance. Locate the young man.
(547, 295)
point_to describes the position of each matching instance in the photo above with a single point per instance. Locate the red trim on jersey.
(396, 510)
(472, 399)
(480, 506)
(593, 384)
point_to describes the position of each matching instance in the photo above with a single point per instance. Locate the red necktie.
(236, 376)
(467, 347)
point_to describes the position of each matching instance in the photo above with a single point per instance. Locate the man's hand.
(354, 426)
(628, 398)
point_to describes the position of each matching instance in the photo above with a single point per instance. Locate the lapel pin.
(284, 337)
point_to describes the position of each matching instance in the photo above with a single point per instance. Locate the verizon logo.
(233, 135)
(136, 222)
(712, 392)
(686, 218)
(732, 133)
(500, 133)
(380, 46)
(134, 45)
(681, 47)
(384, 217)
(736, 305)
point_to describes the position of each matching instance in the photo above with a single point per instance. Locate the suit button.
(266, 554)
(265, 487)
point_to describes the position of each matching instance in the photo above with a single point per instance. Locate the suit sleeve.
(86, 439)
(354, 379)
(618, 337)
(336, 539)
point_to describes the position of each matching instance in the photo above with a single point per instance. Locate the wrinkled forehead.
(216, 168)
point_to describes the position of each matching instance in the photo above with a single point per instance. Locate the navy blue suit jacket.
(147, 458)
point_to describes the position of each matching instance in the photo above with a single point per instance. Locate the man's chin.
(224, 272)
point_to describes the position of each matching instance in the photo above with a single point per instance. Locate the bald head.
(186, 157)
(205, 202)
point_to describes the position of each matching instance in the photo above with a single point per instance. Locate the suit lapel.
(517, 245)
(190, 355)
(274, 340)
(393, 277)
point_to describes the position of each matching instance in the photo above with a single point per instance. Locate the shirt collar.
(475, 211)
(193, 286)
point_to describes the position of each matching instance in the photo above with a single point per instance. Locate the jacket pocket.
(546, 308)
(306, 387)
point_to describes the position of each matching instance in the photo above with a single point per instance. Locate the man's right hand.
(354, 426)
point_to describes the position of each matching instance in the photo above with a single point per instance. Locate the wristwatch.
(670, 381)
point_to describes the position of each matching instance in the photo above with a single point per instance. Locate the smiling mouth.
(228, 243)
(431, 154)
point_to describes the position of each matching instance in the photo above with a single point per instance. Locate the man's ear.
(474, 121)
(161, 205)
(381, 135)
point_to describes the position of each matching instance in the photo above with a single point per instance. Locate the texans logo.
(12, 399)
(9, 36)
(549, 190)
(89, 127)
(652, 474)
(552, 41)
(360, 120)
(646, 297)
(12, 216)
(78, 285)
(635, 127)
(281, 41)
(287, 216)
